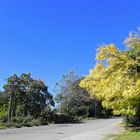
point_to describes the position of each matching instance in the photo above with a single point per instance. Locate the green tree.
(73, 99)
(27, 96)
(3, 107)
(12, 88)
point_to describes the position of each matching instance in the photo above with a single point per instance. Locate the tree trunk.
(87, 114)
(10, 108)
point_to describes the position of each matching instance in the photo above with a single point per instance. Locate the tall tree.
(28, 97)
(13, 89)
(73, 99)
(115, 79)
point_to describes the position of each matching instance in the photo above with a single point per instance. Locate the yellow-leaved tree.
(115, 79)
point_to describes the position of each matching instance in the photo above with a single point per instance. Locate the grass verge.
(127, 135)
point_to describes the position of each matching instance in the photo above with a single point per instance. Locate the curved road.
(87, 130)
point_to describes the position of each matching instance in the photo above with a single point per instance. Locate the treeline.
(76, 101)
(26, 101)
(112, 85)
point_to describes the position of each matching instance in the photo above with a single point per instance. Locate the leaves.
(29, 96)
(115, 80)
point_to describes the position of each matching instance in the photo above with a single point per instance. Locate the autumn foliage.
(115, 79)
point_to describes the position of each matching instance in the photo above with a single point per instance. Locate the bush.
(2, 125)
(9, 124)
(17, 125)
(25, 121)
(28, 124)
(79, 118)
(28, 121)
(35, 122)
(64, 119)
(3, 114)
(131, 120)
(43, 120)
(18, 120)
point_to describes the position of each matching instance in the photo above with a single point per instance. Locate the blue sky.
(51, 37)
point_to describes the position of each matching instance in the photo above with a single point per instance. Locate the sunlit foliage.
(115, 79)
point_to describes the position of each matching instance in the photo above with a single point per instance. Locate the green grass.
(128, 135)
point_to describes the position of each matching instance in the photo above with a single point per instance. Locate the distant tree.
(63, 89)
(27, 96)
(74, 100)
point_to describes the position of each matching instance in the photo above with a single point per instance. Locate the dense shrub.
(25, 121)
(1, 125)
(3, 114)
(132, 120)
(9, 124)
(28, 121)
(64, 119)
(35, 122)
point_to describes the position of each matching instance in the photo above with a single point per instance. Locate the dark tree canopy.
(28, 96)
(71, 98)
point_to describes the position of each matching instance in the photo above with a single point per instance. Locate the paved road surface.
(88, 130)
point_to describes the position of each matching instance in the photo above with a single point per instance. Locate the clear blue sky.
(50, 37)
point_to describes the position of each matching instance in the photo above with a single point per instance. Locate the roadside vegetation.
(26, 101)
(113, 85)
(128, 135)
(115, 79)
(75, 101)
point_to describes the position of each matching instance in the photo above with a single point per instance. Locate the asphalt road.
(87, 130)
